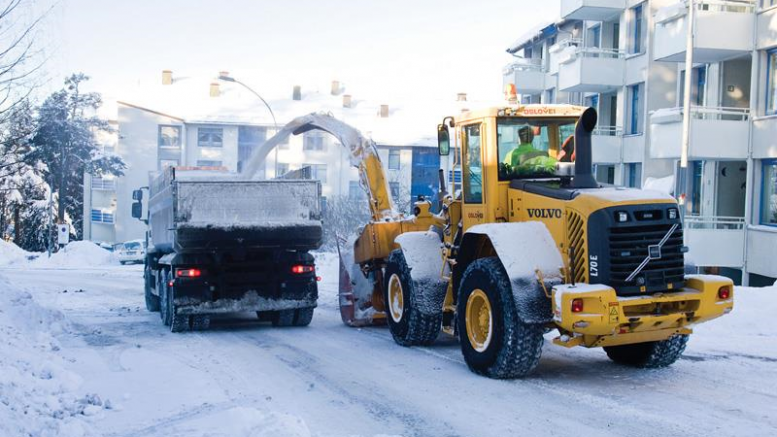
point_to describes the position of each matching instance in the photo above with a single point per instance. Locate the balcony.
(528, 75)
(593, 10)
(723, 30)
(715, 241)
(607, 145)
(590, 69)
(716, 133)
(101, 184)
(762, 250)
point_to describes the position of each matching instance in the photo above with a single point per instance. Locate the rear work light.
(577, 305)
(188, 273)
(300, 269)
(724, 292)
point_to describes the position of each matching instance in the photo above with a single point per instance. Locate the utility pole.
(686, 141)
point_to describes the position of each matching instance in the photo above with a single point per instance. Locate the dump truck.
(529, 243)
(223, 243)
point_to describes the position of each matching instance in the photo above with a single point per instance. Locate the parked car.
(131, 252)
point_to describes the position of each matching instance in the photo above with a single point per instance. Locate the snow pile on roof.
(77, 254)
(664, 185)
(11, 253)
(38, 395)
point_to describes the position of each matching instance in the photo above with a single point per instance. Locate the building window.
(605, 173)
(551, 96)
(249, 138)
(281, 169)
(771, 81)
(638, 29)
(169, 137)
(313, 141)
(634, 176)
(317, 172)
(103, 183)
(768, 3)
(393, 159)
(394, 187)
(100, 216)
(355, 190)
(635, 108)
(207, 163)
(210, 137)
(769, 193)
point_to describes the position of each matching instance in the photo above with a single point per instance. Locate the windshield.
(132, 246)
(531, 148)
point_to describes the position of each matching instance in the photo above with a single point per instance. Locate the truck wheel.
(494, 340)
(152, 301)
(283, 318)
(164, 301)
(408, 325)
(650, 355)
(178, 322)
(303, 316)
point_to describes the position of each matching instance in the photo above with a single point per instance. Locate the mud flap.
(355, 291)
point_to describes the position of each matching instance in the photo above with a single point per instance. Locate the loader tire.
(283, 318)
(650, 355)
(494, 340)
(408, 325)
(152, 301)
(303, 316)
(164, 303)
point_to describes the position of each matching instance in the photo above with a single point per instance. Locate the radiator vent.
(576, 239)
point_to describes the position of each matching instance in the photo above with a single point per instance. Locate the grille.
(629, 247)
(576, 238)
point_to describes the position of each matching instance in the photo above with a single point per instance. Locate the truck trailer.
(222, 244)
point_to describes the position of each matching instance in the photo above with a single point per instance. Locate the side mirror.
(443, 140)
(137, 210)
(137, 195)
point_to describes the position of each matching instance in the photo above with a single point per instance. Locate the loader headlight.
(672, 213)
(621, 216)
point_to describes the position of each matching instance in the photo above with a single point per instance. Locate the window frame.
(771, 92)
(465, 176)
(637, 29)
(394, 153)
(636, 125)
(159, 136)
(210, 143)
(764, 201)
(308, 137)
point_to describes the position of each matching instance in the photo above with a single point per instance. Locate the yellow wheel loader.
(529, 242)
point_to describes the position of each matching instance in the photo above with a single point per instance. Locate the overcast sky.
(382, 48)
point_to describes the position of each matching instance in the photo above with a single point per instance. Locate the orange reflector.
(300, 269)
(188, 273)
(577, 305)
(724, 292)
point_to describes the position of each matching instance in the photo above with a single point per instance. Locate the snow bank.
(77, 254)
(38, 395)
(11, 253)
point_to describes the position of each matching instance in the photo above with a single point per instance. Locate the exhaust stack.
(584, 177)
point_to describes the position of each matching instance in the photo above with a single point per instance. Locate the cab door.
(473, 174)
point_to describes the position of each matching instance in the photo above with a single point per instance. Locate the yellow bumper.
(608, 320)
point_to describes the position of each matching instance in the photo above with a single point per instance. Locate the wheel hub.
(396, 303)
(479, 320)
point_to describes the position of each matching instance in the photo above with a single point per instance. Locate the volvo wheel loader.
(529, 243)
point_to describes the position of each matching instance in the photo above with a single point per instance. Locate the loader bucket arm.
(363, 155)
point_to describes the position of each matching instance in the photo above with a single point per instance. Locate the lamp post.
(227, 78)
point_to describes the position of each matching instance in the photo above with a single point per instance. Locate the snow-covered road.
(330, 380)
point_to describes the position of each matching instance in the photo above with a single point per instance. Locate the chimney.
(297, 94)
(214, 89)
(167, 77)
(384, 111)
(346, 100)
(335, 87)
(461, 97)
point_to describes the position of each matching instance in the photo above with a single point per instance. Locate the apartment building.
(627, 59)
(205, 122)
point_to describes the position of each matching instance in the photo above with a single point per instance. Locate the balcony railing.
(593, 52)
(99, 216)
(671, 115)
(715, 241)
(714, 222)
(608, 131)
(523, 64)
(99, 183)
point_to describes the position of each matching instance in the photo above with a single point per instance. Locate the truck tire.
(283, 318)
(408, 325)
(494, 340)
(152, 301)
(303, 316)
(200, 322)
(164, 304)
(650, 355)
(178, 322)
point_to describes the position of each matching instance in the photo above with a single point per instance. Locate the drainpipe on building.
(750, 176)
(687, 100)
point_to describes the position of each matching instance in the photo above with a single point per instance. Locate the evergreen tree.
(66, 143)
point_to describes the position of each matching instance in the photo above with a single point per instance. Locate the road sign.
(63, 234)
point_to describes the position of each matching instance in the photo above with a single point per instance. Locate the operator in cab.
(526, 159)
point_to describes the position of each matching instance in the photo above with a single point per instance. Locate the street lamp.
(228, 78)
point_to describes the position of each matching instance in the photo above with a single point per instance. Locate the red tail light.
(577, 305)
(724, 292)
(188, 273)
(300, 269)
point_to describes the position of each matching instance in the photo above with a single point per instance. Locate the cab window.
(530, 148)
(473, 173)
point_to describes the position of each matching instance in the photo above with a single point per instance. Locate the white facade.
(627, 59)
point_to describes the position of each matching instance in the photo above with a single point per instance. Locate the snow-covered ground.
(80, 355)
